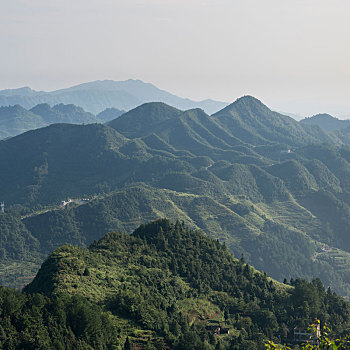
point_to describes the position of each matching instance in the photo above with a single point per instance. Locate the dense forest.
(163, 286)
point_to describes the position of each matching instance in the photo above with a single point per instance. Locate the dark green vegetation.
(161, 287)
(62, 322)
(15, 120)
(99, 95)
(269, 187)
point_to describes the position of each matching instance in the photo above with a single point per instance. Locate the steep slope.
(144, 120)
(326, 122)
(20, 252)
(16, 242)
(164, 277)
(38, 322)
(245, 122)
(59, 161)
(192, 131)
(296, 177)
(253, 122)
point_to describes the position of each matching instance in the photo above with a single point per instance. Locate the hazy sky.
(294, 55)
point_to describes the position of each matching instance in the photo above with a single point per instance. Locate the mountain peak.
(41, 107)
(144, 117)
(249, 101)
(247, 98)
(326, 121)
(323, 116)
(244, 102)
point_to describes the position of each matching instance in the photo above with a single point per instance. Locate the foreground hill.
(164, 278)
(99, 95)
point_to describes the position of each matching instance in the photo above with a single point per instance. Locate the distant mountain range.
(96, 96)
(15, 120)
(272, 188)
(327, 122)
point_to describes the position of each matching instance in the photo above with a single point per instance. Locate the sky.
(294, 55)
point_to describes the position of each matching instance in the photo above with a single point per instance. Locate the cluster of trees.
(34, 321)
(157, 277)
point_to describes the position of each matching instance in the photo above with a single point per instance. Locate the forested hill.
(257, 124)
(164, 278)
(246, 121)
(282, 201)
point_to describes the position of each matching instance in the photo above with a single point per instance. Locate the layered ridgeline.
(164, 286)
(98, 95)
(253, 178)
(15, 120)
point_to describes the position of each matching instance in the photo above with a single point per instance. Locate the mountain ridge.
(98, 95)
(267, 197)
(15, 120)
(327, 122)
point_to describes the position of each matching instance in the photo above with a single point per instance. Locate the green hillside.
(285, 206)
(254, 123)
(48, 170)
(164, 284)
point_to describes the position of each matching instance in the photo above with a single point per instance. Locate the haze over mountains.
(15, 120)
(327, 122)
(96, 96)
